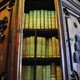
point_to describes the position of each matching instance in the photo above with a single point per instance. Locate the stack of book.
(45, 47)
(47, 72)
(40, 19)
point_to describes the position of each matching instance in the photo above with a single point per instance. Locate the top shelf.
(38, 5)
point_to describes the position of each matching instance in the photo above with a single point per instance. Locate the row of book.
(40, 19)
(47, 72)
(45, 47)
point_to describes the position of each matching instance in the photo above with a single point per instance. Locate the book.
(57, 48)
(39, 72)
(26, 73)
(43, 72)
(26, 21)
(49, 19)
(43, 46)
(35, 19)
(53, 19)
(47, 48)
(31, 73)
(58, 73)
(23, 48)
(54, 52)
(48, 72)
(50, 47)
(46, 19)
(30, 19)
(32, 45)
(56, 21)
(53, 71)
(38, 50)
(27, 47)
(38, 19)
(42, 19)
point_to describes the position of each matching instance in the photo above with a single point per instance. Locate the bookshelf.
(40, 40)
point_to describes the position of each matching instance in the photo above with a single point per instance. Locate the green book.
(23, 73)
(31, 19)
(53, 19)
(26, 21)
(48, 72)
(50, 47)
(35, 19)
(43, 72)
(42, 19)
(38, 19)
(38, 47)
(47, 48)
(39, 72)
(46, 19)
(43, 46)
(49, 19)
(31, 73)
(53, 71)
(32, 46)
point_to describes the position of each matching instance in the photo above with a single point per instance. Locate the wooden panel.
(4, 44)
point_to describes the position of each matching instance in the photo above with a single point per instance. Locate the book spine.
(54, 47)
(35, 19)
(43, 72)
(39, 72)
(32, 46)
(42, 19)
(38, 19)
(58, 48)
(49, 19)
(46, 19)
(53, 19)
(26, 21)
(43, 46)
(38, 47)
(50, 47)
(31, 19)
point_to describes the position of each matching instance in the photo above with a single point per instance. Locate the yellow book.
(58, 47)
(26, 21)
(38, 19)
(50, 47)
(58, 73)
(39, 73)
(35, 19)
(54, 53)
(43, 45)
(27, 46)
(53, 19)
(31, 19)
(53, 71)
(32, 46)
(56, 21)
(46, 19)
(23, 48)
(42, 19)
(49, 19)
(38, 47)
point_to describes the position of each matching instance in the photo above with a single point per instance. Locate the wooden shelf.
(40, 61)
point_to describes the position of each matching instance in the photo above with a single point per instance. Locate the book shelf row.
(40, 19)
(40, 47)
(47, 72)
